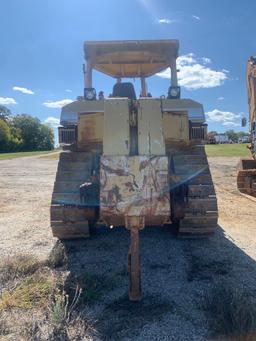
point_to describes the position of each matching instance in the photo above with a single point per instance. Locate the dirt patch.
(236, 212)
(25, 196)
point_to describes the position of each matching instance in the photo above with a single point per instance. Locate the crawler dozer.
(132, 161)
(246, 177)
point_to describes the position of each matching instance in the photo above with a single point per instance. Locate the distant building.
(244, 139)
(221, 138)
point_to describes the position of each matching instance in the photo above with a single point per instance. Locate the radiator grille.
(198, 132)
(67, 135)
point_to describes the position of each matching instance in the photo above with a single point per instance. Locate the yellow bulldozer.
(246, 178)
(132, 160)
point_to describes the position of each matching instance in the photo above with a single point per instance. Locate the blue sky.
(41, 51)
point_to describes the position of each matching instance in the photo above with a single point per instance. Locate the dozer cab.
(246, 177)
(129, 160)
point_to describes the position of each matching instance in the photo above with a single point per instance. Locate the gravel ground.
(175, 272)
(25, 195)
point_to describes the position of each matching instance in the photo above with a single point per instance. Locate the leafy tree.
(45, 138)
(5, 113)
(242, 133)
(232, 135)
(30, 128)
(212, 133)
(34, 134)
(16, 142)
(23, 132)
(10, 137)
(5, 135)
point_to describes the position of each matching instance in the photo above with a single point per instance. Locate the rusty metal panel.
(194, 109)
(176, 126)
(150, 127)
(69, 113)
(131, 58)
(134, 186)
(90, 129)
(116, 127)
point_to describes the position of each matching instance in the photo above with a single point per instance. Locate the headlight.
(174, 92)
(90, 94)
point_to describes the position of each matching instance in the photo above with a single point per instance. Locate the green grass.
(34, 291)
(4, 156)
(211, 150)
(227, 150)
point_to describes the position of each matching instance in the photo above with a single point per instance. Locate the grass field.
(211, 150)
(52, 156)
(4, 156)
(227, 150)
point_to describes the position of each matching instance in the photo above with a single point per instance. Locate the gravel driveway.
(175, 272)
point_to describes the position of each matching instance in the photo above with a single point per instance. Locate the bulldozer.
(129, 160)
(246, 177)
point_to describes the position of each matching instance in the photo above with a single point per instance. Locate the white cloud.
(194, 74)
(53, 121)
(196, 17)
(231, 124)
(7, 101)
(68, 90)
(186, 59)
(23, 90)
(206, 60)
(57, 104)
(225, 118)
(167, 21)
(220, 98)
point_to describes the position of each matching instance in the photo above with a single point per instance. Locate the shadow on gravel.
(176, 273)
(125, 318)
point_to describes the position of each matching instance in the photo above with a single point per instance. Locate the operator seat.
(124, 90)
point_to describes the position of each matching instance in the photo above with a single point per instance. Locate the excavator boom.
(251, 88)
(246, 178)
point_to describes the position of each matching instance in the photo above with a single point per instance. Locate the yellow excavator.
(246, 178)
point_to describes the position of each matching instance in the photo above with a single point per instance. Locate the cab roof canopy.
(131, 58)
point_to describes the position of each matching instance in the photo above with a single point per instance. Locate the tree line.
(231, 134)
(23, 133)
